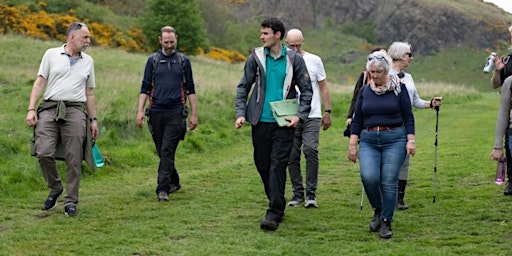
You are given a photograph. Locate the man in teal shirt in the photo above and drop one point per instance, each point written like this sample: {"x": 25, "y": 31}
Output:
{"x": 274, "y": 71}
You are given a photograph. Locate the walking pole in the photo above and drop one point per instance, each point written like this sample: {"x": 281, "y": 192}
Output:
{"x": 435, "y": 154}
{"x": 362, "y": 193}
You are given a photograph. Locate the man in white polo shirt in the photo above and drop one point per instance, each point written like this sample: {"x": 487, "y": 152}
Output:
{"x": 65, "y": 121}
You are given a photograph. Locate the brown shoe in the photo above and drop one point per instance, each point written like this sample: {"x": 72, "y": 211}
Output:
{"x": 162, "y": 196}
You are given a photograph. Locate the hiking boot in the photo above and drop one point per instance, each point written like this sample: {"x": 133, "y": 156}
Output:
{"x": 296, "y": 201}
{"x": 162, "y": 196}
{"x": 385, "y": 229}
{"x": 311, "y": 203}
{"x": 375, "y": 222}
{"x": 51, "y": 201}
{"x": 173, "y": 188}
{"x": 508, "y": 189}
{"x": 70, "y": 210}
{"x": 400, "y": 204}
{"x": 269, "y": 225}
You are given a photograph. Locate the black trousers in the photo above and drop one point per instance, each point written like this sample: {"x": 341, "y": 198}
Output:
{"x": 167, "y": 130}
{"x": 272, "y": 146}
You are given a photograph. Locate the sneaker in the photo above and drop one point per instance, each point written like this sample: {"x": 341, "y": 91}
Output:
{"x": 269, "y": 225}
{"x": 51, "y": 201}
{"x": 375, "y": 222}
{"x": 508, "y": 189}
{"x": 162, "y": 196}
{"x": 296, "y": 201}
{"x": 173, "y": 188}
{"x": 385, "y": 229}
{"x": 70, "y": 210}
{"x": 311, "y": 203}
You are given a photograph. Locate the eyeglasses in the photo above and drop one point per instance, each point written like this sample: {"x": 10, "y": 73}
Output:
{"x": 379, "y": 58}
{"x": 409, "y": 54}
{"x": 295, "y": 45}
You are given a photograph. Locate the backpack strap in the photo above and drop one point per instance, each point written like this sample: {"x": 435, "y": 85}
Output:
{"x": 181, "y": 61}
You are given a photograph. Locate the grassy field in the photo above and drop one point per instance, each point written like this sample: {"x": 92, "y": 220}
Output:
{"x": 220, "y": 205}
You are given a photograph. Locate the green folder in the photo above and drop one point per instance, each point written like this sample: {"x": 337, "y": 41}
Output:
{"x": 284, "y": 109}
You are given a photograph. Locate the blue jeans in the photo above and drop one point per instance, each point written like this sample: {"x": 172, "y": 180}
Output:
{"x": 381, "y": 154}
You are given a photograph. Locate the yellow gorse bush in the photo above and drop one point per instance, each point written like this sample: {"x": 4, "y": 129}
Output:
{"x": 41, "y": 25}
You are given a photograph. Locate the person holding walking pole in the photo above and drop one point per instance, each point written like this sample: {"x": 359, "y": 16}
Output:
{"x": 383, "y": 124}
{"x": 402, "y": 56}
{"x": 502, "y": 71}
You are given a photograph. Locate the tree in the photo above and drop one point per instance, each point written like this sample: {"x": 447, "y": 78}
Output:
{"x": 183, "y": 15}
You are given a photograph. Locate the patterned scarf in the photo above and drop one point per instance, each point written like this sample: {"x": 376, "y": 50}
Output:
{"x": 393, "y": 84}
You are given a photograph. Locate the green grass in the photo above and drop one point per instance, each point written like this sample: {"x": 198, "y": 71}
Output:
{"x": 220, "y": 205}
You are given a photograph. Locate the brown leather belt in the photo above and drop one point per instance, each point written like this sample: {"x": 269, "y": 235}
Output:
{"x": 381, "y": 128}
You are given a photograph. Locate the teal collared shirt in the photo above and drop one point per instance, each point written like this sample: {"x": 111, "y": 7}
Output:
{"x": 275, "y": 75}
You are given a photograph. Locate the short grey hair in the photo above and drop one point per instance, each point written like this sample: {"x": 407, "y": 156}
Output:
{"x": 381, "y": 60}
{"x": 397, "y": 50}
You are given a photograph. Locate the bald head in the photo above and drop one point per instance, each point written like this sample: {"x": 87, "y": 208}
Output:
{"x": 294, "y": 40}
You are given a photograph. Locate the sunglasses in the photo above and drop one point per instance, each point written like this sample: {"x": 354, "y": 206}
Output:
{"x": 379, "y": 58}
{"x": 409, "y": 54}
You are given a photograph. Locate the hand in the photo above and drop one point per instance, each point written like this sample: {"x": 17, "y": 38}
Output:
{"x": 94, "y": 129}
{"x": 140, "y": 118}
{"x": 192, "y": 123}
{"x": 411, "y": 148}
{"x": 31, "y": 118}
{"x": 352, "y": 153}
{"x": 499, "y": 64}
{"x": 497, "y": 154}
{"x": 326, "y": 121}
{"x": 239, "y": 122}
{"x": 349, "y": 121}
{"x": 294, "y": 121}
{"x": 436, "y": 102}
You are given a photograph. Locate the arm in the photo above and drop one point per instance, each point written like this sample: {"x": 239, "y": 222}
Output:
{"x": 140, "y": 109}
{"x": 193, "y": 108}
{"x": 91, "y": 110}
{"x": 145, "y": 90}
{"x": 326, "y": 100}
{"x": 37, "y": 89}
{"x": 301, "y": 77}
{"x": 408, "y": 118}
{"x": 358, "y": 86}
{"x": 502, "y": 121}
{"x": 243, "y": 89}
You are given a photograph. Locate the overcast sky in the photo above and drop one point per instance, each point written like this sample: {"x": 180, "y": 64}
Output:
{"x": 504, "y": 4}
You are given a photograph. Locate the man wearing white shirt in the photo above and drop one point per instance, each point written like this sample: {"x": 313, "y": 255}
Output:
{"x": 307, "y": 133}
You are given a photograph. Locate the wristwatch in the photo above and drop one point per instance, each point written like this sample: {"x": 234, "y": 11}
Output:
{"x": 327, "y": 111}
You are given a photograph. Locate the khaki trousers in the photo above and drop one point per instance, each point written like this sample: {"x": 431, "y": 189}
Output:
{"x": 71, "y": 134}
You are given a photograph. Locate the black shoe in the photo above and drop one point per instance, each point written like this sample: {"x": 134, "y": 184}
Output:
{"x": 296, "y": 201}
{"x": 508, "y": 189}
{"x": 375, "y": 222}
{"x": 70, "y": 210}
{"x": 51, "y": 201}
{"x": 385, "y": 229}
{"x": 162, "y": 196}
{"x": 400, "y": 205}
{"x": 269, "y": 225}
{"x": 173, "y": 188}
